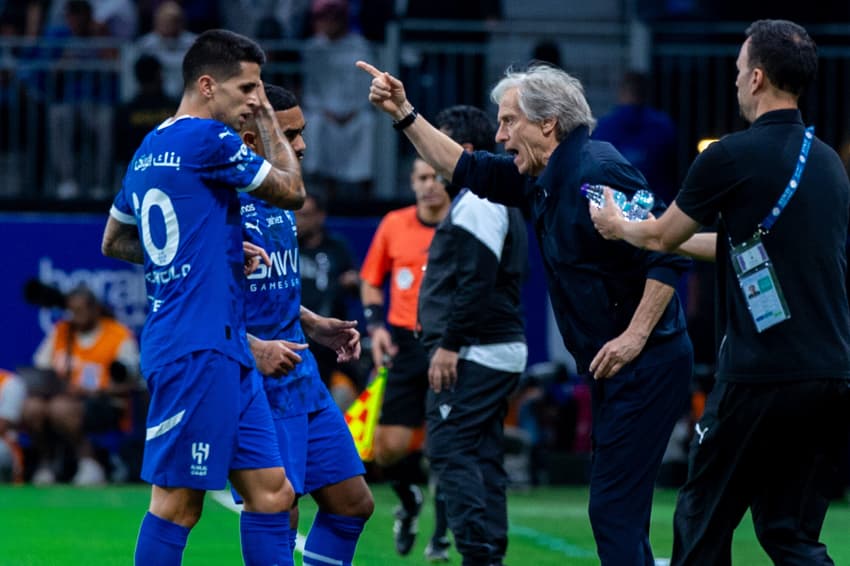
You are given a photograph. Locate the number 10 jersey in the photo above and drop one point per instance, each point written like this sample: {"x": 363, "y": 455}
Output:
{"x": 181, "y": 191}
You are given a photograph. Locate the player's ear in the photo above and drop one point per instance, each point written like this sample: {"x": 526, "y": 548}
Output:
{"x": 250, "y": 139}
{"x": 206, "y": 86}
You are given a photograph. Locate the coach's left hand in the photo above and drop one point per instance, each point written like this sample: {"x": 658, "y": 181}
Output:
{"x": 442, "y": 373}
{"x": 615, "y": 354}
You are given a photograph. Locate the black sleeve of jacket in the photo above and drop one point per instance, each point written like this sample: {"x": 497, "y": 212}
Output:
{"x": 475, "y": 225}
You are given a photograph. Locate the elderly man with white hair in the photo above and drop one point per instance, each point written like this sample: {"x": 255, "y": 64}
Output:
{"x": 616, "y": 306}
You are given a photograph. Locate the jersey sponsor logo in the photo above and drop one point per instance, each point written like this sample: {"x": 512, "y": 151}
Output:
{"x": 200, "y": 454}
{"x": 224, "y": 134}
{"x": 273, "y": 220}
{"x": 404, "y": 279}
{"x": 253, "y": 226}
{"x": 143, "y": 162}
{"x": 241, "y": 153}
{"x": 165, "y": 159}
{"x": 163, "y": 276}
{"x": 284, "y": 262}
{"x": 247, "y": 208}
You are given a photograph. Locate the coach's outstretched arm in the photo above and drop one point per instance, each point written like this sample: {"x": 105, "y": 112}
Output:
{"x": 435, "y": 147}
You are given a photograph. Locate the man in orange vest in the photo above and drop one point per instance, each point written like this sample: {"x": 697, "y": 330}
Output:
{"x": 96, "y": 358}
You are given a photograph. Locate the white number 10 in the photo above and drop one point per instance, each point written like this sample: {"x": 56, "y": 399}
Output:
{"x": 154, "y": 197}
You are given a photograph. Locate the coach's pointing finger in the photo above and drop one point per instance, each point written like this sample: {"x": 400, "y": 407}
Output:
{"x": 387, "y": 92}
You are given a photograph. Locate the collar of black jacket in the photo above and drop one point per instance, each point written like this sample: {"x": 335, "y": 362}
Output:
{"x": 564, "y": 166}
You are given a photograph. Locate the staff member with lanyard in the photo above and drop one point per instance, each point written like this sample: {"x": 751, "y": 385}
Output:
{"x": 775, "y": 423}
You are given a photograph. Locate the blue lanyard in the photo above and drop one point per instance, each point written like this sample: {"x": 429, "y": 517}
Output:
{"x": 771, "y": 218}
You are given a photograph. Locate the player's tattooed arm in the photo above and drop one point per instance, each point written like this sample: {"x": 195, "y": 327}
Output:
{"x": 283, "y": 186}
{"x": 121, "y": 241}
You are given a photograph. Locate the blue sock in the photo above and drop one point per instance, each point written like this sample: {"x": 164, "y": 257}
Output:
{"x": 265, "y": 539}
{"x": 160, "y": 542}
{"x": 332, "y": 540}
{"x": 293, "y": 539}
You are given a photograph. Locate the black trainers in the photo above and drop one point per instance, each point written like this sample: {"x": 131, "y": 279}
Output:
{"x": 438, "y": 549}
{"x": 406, "y": 522}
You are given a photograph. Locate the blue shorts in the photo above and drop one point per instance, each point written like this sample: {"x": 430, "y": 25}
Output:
{"x": 208, "y": 415}
{"x": 317, "y": 450}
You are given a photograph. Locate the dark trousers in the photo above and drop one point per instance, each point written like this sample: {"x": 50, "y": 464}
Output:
{"x": 633, "y": 416}
{"x": 774, "y": 448}
{"x": 465, "y": 434}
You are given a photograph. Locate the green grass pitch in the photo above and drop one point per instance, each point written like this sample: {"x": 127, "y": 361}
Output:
{"x": 61, "y": 526}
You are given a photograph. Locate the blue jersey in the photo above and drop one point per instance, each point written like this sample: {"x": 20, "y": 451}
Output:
{"x": 180, "y": 190}
{"x": 273, "y": 306}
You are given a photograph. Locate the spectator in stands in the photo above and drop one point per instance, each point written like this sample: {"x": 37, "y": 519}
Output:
{"x": 96, "y": 359}
{"x": 643, "y": 135}
{"x": 168, "y": 42}
{"x": 150, "y": 107}
{"x": 79, "y": 98}
{"x": 200, "y": 15}
{"x": 340, "y": 121}
{"x": 328, "y": 279}
{"x": 12, "y": 394}
{"x": 267, "y": 19}
{"x": 116, "y": 18}
{"x": 21, "y": 18}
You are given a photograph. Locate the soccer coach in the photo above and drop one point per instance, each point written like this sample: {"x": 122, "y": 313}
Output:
{"x": 615, "y": 305}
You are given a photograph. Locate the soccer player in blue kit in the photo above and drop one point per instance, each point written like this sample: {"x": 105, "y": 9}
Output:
{"x": 316, "y": 446}
{"x": 178, "y": 214}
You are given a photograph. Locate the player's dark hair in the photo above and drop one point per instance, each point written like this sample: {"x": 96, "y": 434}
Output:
{"x": 467, "y": 124}
{"x": 280, "y": 98}
{"x": 786, "y": 53}
{"x": 219, "y": 53}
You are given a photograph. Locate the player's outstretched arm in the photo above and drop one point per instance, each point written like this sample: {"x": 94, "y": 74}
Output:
{"x": 341, "y": 336}
{"x": 121, "y": 241}
{"x": 435, "y": 147}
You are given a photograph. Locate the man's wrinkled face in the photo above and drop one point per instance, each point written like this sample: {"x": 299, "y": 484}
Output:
{"x": 521, "y": 138}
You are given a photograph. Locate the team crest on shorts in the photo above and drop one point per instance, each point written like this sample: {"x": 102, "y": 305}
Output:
{"x": 200, "y": 453}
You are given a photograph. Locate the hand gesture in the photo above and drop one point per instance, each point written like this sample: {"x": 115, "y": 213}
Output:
{"x": 383, "y": 349}
{"x": 276, "y": 358}
{"x": 386, "y": 92}
{"x": 254, "y": 254}
{"x": 615, "y": 354}
{"x": 442, "y": 373}
{"x": 341, "y": 336}
{"x": 263, "y": 100}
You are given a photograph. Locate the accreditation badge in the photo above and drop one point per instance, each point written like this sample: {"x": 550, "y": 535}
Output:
{"x": 758, "y": 282}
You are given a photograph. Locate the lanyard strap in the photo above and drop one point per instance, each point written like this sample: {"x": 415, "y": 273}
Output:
{"x": 791, "y": 188}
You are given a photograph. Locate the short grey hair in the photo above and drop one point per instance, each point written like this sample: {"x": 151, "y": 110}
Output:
{"x": 548, "y": 92}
